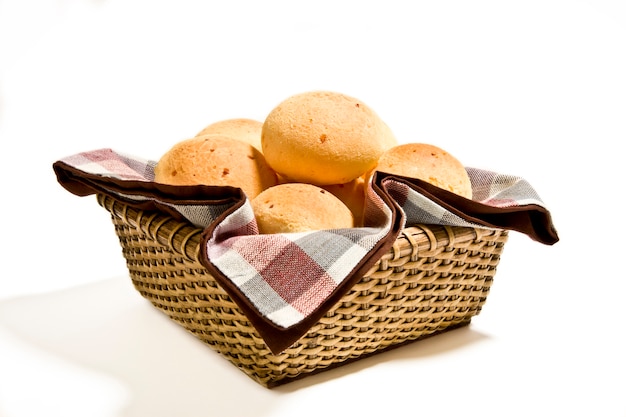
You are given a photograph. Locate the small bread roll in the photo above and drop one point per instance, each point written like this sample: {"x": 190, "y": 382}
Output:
{"x": 428, "y": 163}
{"x": 352, "y": 194}
{"x": 216, "y": 160}
{"x": 323, "y": 138}
{"x": 247, "y": 130}
{"x": 298, "y": 207}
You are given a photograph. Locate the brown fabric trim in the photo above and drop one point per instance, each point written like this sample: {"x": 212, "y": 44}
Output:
{"x": 532, "y": 220}
{"x": 535, "y": 221}
{"x": 278, "y": 338}
{"x": 82, "y": 184}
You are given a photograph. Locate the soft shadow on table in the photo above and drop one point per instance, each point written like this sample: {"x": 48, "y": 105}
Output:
{"x": 420, "y": 349}
{"x": 109, "y": 328}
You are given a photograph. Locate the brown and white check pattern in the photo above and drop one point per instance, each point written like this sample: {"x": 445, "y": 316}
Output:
{"x": 284, "y": 279}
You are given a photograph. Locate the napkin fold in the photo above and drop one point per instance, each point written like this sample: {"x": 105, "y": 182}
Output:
{"x": 285, "y": 283}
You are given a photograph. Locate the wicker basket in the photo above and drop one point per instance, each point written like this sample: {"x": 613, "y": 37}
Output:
{"x": 434, "y": 279}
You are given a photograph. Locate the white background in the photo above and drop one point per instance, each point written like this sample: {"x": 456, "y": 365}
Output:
{"x": 532, "y": 88}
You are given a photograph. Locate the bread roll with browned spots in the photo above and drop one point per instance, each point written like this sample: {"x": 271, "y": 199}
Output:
{"x": 428, "y": 163}
{"x": 216, "y": 160}
{"x": 299, "y": 207}
{"x": 323, "y": 138}
{"x": 246, "y": 130}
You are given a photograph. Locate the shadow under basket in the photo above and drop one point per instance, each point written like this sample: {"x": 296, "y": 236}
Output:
{"x": 435, "y": 278}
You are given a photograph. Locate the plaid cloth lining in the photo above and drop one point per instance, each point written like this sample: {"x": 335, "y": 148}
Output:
{"x": 288, "y": 276}
{"x": 489, "y": 188}
{"x": 285, "y": 282}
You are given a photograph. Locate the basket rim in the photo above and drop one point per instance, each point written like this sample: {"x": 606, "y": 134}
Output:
{"x": 185, "y": 239}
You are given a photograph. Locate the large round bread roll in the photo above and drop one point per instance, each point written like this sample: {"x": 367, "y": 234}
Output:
{"x": 216, "y": 160}
{"x": 323, "y": 138}
{"x": 299, "y": 207}
{"x": 428, "y": 163}
{"x": 246, "y": 130}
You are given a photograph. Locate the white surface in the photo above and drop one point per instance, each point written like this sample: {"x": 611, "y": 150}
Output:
{"x": 533, "y": 88}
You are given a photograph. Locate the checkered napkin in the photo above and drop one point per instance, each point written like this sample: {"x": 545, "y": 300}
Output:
{"x": 285, "y": 282}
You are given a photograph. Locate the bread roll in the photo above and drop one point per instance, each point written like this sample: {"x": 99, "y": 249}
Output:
{"x": 388, "y": 138}
{"x": 323, "y": 138}
{"x": 216, "y": 160}
{"x": 352, "y": 194}
{"x": 298, "y": 207}
{"x": 247, "y": 130}
{"x": 428, "y": 163}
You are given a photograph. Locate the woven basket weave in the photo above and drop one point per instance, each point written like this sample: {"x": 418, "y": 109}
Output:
{"x": 434, "y": 278}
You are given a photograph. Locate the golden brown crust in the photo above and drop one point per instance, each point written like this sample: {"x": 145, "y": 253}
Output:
{"x": 298, "y": 207}
{"x": 428, "y": 163}
{"x": 216, "y": 160}
{"x": 246, "y": 130}
{"x": 389, "y": 138}
{"x": 323, "y": 138}
{"x": 352, "y": 194}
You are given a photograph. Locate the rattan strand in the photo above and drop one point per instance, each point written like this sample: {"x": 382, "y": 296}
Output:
{"x": 434, "y": 278}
